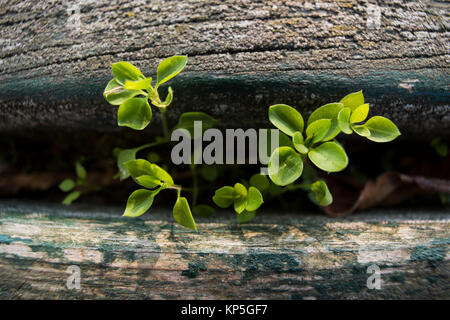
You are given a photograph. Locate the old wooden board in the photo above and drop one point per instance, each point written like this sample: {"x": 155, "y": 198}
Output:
{"x": 279, "y": 256}
{"x": 55, "y": 58}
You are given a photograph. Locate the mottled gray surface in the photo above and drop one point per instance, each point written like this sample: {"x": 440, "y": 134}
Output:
{"x": 244, "y": 56}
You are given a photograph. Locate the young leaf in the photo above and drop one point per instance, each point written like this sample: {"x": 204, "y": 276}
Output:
{"x": 328, "y": 111}
{"x": 320, "y": 194}
{"x": 360, "y": 113}
{"x": 361, "y": 130}
{"x": 134, "y": 113}
{"x": 80, "y": 170}
{"x": 169, "y": 68}
{"x": 353, "y": 100}
{"x": 209, "y": 173}
{"x": 285, "y": 166}
{"x": 139, "y": 202}
{"x": 381, "y": 129}
{"x": 169, "y": 97}
{"x": 224, "y": 197}
{"x": 254, "y": 199}
{"x": 245, "y": 216}
{"x": 329, "y": 157}
{"x": 138, "y": 85}
{"x": 67, "y": 185}
{"x": 124, "y": 71}
{"x": 115, "y": 94}
{"x": 148, "y": 181}
{"x": 203, "y": 210}
{"x": 123, "y": 157}
{"x": 344, "y": 120}
{"x": 183, "y": 215}
{"x": 286, "y": 119}
{"x": 141, "y": 167}
{"x": 187, "y": 120}
{"x": 71, "y": 197}
{"x": 240, "y": 198}
{"x": 318, "y": 129}
{"x": 260, "y": 182}
{"x": 299, "y": 143}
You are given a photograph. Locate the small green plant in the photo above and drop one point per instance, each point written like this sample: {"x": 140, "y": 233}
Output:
{"x": 78, "y": 187}
{"x": 313, "y": 145}
{"x": 300, "y": 147}
{"x": 134, "y": 93}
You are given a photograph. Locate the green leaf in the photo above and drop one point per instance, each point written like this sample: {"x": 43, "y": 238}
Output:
{"x": 328, "y": 111}
{"x": 318, "y": 129}
{"x": 439, "y": 146}
{"x": 138, "y": 85}
{"x": 115, "y": 94}
{"x": 169, "y": 68}
{"x": 344, "y": 120}
{"x": 203, "y": 210}
{"x": 209, "y": 173}
{"x": 299, "y": 143}
{"x": 285, "y": 166}
{"x": 329, "y": 157}
{"x": 361, "y": 130}
{"x": 224, "y": 197}
{"x": 148, "y": 181}
{"x": 67, "y": 185}
{"x": 381, "y": 129}
{"x": 139, "y": 202}
{"x": 80, "y": 170}
{"x": 183, "y": 215}
{"x": 286, "y": 119}
{"x": 360, "y": 113}
{"x": 254, "y": 199}
{"x": 245, "y": 216}
{"x": 124, "y": 71}
{"x": 169, "y": 97}
{"x": 134, "y": 113}
{"x": 141, "y": 167}
{"x": 283, "y": 141}
{"x": 353, "y": 100}
{"x": 123, "y": 157}
{"x": 71, "y": 197}
{"x": 260, "y": 182}
{"x": 320, "y": 194}
{"x": 240, "y": 197}
{"x": 187, "y": 120}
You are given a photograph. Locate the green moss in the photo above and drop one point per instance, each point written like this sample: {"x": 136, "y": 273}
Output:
{"x": 53, "y": 251}
{"x": 194, "y": 269}
{"x": 432, "y": 255}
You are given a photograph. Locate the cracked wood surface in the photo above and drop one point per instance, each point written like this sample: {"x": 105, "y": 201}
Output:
{"x": 278, "y": 256}
{"x": 55, "y": 58}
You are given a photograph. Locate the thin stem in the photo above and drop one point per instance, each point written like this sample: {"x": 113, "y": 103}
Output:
{"x": 152, "y": 144}
{"x": 194, "y": 185}
{"x": 164, "y": 122}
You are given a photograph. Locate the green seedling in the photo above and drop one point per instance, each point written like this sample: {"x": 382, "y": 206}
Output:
{"x": 78, "y": 187}
{"x": 313, "y": 144}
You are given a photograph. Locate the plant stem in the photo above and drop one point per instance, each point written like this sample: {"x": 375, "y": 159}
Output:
{"x": 164, "y": 122}
{"x": 194, "y": 185}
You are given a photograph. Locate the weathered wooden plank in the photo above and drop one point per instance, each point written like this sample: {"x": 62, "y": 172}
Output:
{"x": 285, "y": 256}
{"x": 245, "y": 55}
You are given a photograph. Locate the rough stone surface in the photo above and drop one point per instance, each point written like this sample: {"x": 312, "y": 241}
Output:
{"x": 278, "y": 256}
{"x": 55, "y": 58}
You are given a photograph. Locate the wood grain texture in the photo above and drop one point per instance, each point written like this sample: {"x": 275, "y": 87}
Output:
{"x": 55, "y": 58}
{"x": 276, "y": 257}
